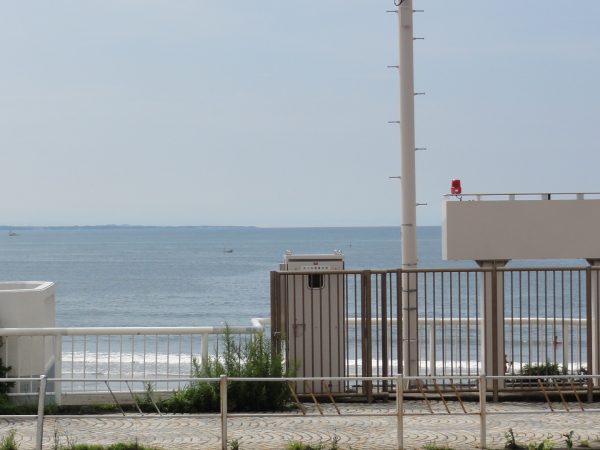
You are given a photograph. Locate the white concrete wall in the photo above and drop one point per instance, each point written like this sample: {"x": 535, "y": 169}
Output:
{"x": 27, "y": 304}
{"x": 521, "y": 229}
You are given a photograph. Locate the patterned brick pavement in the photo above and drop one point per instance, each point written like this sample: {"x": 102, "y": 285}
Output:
{"x": 456, "y": 430}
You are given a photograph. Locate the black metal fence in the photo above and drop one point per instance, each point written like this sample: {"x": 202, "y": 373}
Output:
{"x": 451, "y": 323}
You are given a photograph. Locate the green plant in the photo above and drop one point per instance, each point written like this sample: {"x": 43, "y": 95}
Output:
{"x": 569, "y": 439}
{"x": 234, "y": 444}
{"x": 253, "y": 358}
{"x": 510, "y": 440}
{"x": 146, "y": 402}
{"x": 297, "y": 445}
{"x": 5, "y": 387}
{"x": 546, "y": 444}
{"x": 8, "y": 442}
{"x": 434, "y": 446}
{"x": 118, "y": 446}
{"x": 546, "y": 368}
{"x": 334, "y": 443}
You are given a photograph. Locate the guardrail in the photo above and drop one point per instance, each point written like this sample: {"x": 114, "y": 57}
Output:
{"x": 528, "y": 195}
{"x": 95, "y": 353}
{"x": 544, "y": 318}
{"x": 401, "y": 381}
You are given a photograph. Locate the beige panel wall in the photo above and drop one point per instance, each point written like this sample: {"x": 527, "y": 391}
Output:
{"x": 521, "y": 229}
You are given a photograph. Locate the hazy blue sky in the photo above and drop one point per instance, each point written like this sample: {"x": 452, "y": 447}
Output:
{"x": 274, "y": 113}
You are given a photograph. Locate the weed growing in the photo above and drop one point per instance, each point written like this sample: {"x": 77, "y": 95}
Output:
{"x": 569, "y": 439}
{"x": 434, "y": 446}
{"x": 118, "y": 446}
{"x": 253, "y": 358}
{"x": 510, "y": 440}
{"x": 9, "y": 442}
{"x": 546, "y": 444}
{"x": 547, "y": 368}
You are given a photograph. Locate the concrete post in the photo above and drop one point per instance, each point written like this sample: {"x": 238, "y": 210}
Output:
{"x": 408, "y": 187}
{"x": 592, "y": 321}
{"x": 492, "y": 336}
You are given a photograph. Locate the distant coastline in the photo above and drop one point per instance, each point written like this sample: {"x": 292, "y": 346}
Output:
{"x": 113, "y": 226}
{"x": 216, "y": 227}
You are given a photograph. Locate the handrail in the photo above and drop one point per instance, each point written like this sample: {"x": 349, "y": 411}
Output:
{"x": 520, "y": 194}
{"x": 382, "y": 271}
{"x": 400, "y": 413}
{"x": 258, "y": 324}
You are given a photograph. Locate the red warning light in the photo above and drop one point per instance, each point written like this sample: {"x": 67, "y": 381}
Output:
{"x": 455, "y": 188}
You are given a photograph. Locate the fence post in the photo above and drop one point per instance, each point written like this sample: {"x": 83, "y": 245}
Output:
{"x": 204, "y": 344}
{"x": 400, "y": 410}
{"x": 384, "y": 331}
{"x": 57, "y": 369}
{"x": 367, "y": 362}
{"x": 482, "y": 411}
{"x": 492, "y": 301}
{"x": 277, "y": 319}
{"x": 591, "y": 326}
{"x": 39, "y": 437}
{"x": 223, "y": 392}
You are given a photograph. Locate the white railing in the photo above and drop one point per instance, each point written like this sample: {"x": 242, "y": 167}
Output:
{"x": 92, "y": 354}
{"x": 528, "y": 195}
{"x": 401, "y": 381}
{"x": 165, "y": 355}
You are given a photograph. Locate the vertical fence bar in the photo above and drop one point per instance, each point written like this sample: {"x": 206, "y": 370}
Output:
{"x": 384, "y": 331}
{"x": 58, "y": 368}
{"x": 497, "y": 344}
{"x": 482, "y": 411}
{"x": 588, "y": 327}
{"x": 223, "y": 392}
{"x": 367, "y": 369}
{"x": 399, "y": 324}
{"x": 400, "y": 411}
{"x": 39, "y": 436}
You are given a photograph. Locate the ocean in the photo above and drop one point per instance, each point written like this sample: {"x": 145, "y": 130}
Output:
{"x": 170, "y": 276}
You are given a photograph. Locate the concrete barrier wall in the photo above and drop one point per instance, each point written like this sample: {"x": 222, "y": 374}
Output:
{"x": 27, "y": 304}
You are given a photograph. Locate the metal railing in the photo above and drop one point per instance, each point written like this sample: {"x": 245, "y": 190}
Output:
{"x": 542, "y": 317}
{"x": 539, "y": 318}
{"x": 400, "y": 413}
{"x": 99, "y": 353}
{"x": 527, "y": 196}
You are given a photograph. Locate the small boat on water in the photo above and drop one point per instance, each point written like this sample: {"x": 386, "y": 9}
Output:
{"x": 12, "y": 233}
{"x": 227, "y": 250}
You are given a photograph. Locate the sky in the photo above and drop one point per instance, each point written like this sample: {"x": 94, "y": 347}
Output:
{"x": 273, "y": 113}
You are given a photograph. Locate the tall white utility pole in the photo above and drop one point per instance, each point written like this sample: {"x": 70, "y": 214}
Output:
{"x": 408, "y": 187}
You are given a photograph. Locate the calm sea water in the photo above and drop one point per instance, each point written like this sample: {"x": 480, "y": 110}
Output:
{"x": 181, "y": 276}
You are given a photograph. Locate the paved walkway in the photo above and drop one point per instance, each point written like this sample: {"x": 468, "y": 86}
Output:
{"x": 456, "y": 430}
